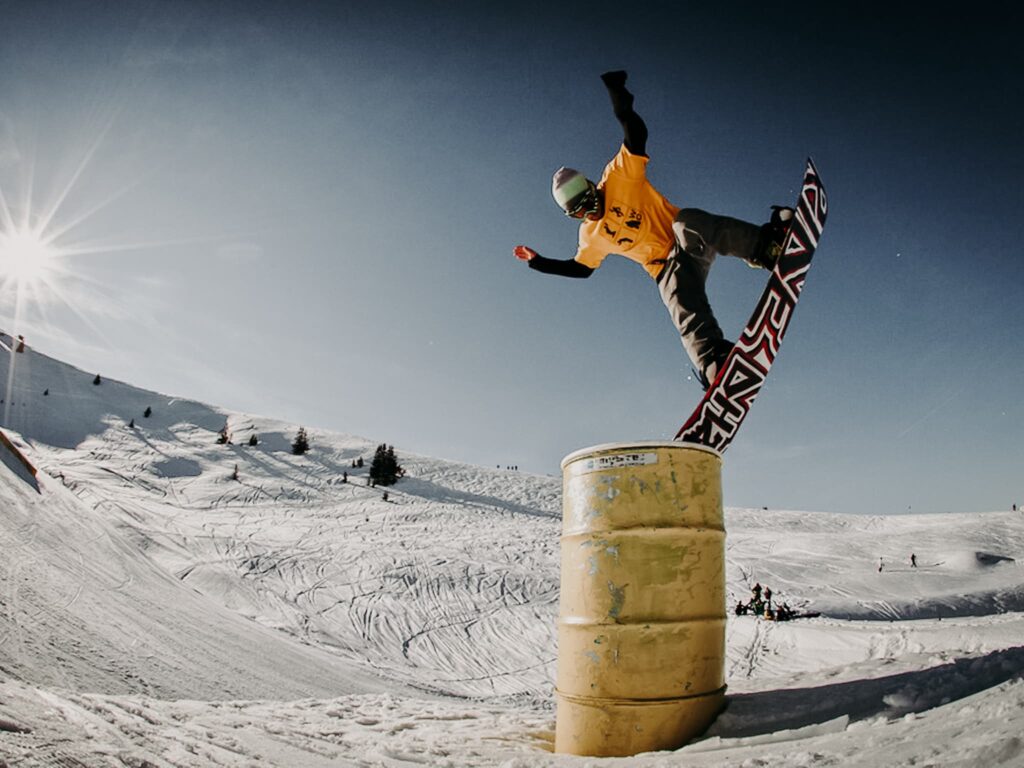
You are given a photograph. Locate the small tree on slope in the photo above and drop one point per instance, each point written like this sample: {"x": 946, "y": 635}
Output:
{"x": 301, "y": 443}
{"x": 384, "y": 469}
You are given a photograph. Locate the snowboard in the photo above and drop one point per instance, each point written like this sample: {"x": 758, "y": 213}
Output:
{"x": 720, "y": 413}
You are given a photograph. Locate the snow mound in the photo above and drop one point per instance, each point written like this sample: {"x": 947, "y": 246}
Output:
{"x": 969, "y": 560}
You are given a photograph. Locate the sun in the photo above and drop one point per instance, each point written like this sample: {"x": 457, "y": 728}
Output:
{"x": 25, "y": 256}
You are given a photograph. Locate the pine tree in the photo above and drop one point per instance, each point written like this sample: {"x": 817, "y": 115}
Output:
{"x": 395, "y": 470}
{"x": 384, "y": 469}
{"x": 148, "y": 412}
{"x": 224, "y": 438}
{"x": 377, "y": 464}
{"x": 301, "y": 444}
{"x": 253, "y": 439}
{"x": 97, "y": 381}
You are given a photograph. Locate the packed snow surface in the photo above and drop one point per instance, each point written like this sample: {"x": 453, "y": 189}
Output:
{"x": 166, "y": 600}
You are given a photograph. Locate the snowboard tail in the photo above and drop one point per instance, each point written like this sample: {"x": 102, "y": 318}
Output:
{"x": 725, "y": 405}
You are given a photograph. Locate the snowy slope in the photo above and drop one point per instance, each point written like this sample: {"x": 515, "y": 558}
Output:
{"x": 85, "y": 611}
{"x": 153, "y": 608}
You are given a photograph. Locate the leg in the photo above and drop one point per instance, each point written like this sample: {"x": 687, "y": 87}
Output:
{"x": 706, "y": 235}
{"x": 681, "y": 284}
{"x": 700, "y": 237}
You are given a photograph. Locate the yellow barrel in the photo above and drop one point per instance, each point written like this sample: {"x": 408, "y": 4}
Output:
{"x": 641, "y": 629}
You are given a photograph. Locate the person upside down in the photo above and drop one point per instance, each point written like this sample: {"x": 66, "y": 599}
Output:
{"x": 624, "y": 214}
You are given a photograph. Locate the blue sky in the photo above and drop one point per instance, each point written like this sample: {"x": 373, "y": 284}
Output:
{"x": 309, "y": 213}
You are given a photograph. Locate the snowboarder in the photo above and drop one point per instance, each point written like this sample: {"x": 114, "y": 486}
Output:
{"x": 624, "y": 214}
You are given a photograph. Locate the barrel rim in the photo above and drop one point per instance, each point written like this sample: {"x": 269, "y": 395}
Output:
{"x": 633, "y": 444}
{"x": 603, "y": 701}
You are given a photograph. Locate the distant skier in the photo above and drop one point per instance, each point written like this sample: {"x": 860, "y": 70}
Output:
{"x": 913, "y": 560}
{"x": 624, "y": 214}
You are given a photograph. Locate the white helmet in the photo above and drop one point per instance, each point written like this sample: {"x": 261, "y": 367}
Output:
{"x": 574, "y": 193}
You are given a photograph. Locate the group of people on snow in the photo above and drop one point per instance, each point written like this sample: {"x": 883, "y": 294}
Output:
{"x": 760, "y": 605}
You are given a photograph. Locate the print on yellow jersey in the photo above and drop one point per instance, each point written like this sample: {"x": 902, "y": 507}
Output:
{"x": 623, "y": 225}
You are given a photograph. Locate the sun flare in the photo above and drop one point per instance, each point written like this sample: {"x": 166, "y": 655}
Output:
{"x": 25, "y": 256}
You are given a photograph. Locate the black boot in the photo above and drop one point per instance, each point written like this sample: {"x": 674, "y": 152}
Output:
{"x": 707, "y": 376}
{"x": 773, "y": 237}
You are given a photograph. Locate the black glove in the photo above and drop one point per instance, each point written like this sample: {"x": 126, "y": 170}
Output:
{"x": 616, "y": 79}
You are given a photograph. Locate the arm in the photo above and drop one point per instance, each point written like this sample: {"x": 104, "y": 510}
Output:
{"x": 563, "y": 267}
{"x": 634, "y": 129}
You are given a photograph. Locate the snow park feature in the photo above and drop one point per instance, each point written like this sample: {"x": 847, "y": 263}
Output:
{"x": 14, "y": 449}
{"x": 641, "y": 629}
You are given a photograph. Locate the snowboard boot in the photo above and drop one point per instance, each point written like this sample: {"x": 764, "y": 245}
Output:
{"x": 772, "y": 237}
{"x": 710, "y": 373}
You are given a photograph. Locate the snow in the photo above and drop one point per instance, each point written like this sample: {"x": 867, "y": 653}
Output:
{"x": 154, "y": 611}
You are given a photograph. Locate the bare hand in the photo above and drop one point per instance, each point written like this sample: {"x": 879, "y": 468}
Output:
{"x": 524, "y": 253}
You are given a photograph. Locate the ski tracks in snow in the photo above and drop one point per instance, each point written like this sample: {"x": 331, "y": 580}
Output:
{"x": 749, "y": 643}
{"x": 331, "y": 563}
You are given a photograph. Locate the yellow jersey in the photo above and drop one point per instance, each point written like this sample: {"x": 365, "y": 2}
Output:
{"x": 637, "y": 220}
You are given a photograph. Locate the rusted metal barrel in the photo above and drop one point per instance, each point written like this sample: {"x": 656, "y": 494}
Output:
{"x": 641, "y": 629}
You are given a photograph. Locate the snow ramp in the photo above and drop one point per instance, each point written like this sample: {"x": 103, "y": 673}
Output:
{"x": 13, "y": 451}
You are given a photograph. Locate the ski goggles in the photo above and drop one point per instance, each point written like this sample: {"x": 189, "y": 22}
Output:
{"x": 584, "y": 204}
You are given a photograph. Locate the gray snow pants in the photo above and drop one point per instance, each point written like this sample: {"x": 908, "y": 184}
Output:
{"x": 700, "y": 237}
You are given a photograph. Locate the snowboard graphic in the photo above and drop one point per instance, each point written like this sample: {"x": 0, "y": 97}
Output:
{"x": 719, "y": 415}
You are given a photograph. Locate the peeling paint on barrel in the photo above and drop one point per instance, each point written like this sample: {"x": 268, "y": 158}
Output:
{"x": 618, "y": 595}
